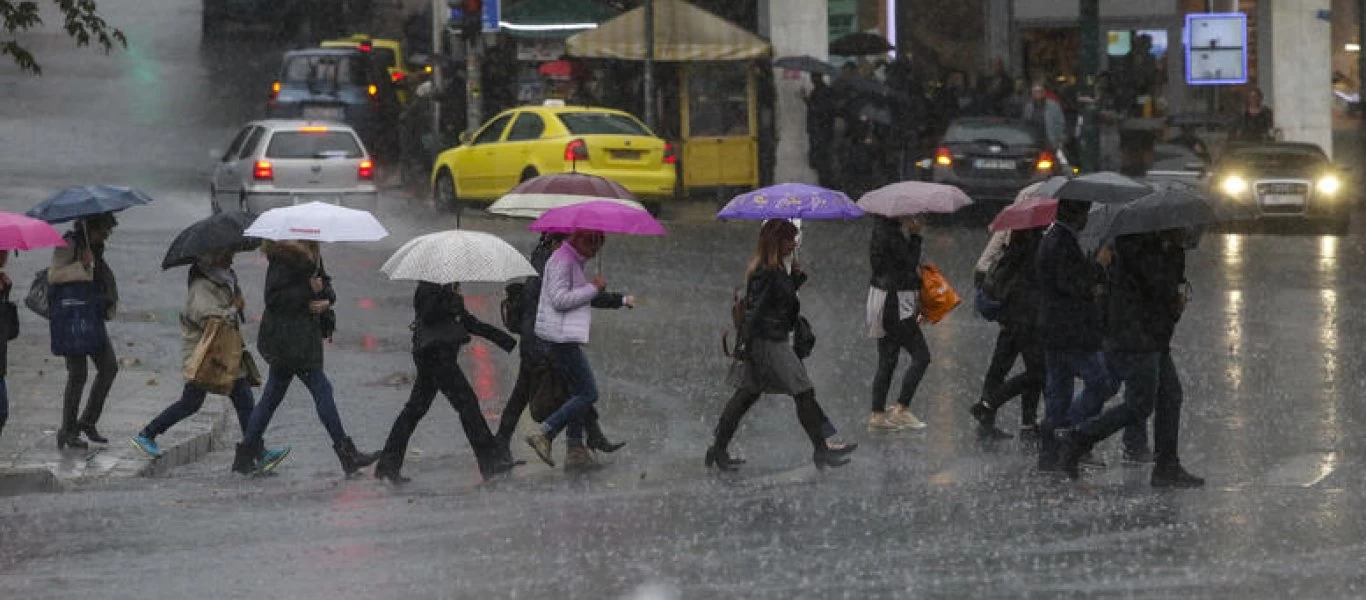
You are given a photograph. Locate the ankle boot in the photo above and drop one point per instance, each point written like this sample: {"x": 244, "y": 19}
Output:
{"x": 93, "y": 434}
{"x": 719, "y": 458}
{"x": 244, "y": 461}
{"x": 70, "y": 438}
{"x": 352, "y": 460}
{"x": 390, "y": 468}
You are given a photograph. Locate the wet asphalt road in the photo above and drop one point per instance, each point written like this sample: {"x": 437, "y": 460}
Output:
{"x": 1267, "y": 353}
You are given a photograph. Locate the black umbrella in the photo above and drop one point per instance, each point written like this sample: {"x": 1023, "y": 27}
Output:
{"x": 860, "y": 44}
{"x": 1104, "y": 187}
{"x": 1170, "y": 205}
{"x": 807, "y": 64}
{"x": 219, "y": 233}
{"x": 87, "y": 201}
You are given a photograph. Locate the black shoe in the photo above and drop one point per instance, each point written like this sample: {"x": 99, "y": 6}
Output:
{"x": 499, "y": 466}
{"x": 387, "y": 469}
{"x": 351, "y": 459}
{"x": 244, "y": 461}
{"x": 841, "y": 449}
{"x": 602, "y": 445}
{"x": 983, "y": 413}
{"x": 828, "y": 458}
{"x": 718, "y": 458}
{"x": 1138, "y": 457}
{"x": 1070, "y": 452}
{"x": 65, "y": 438}
{"x": 93, "y": 435}
{"x": 1174, "y": 476}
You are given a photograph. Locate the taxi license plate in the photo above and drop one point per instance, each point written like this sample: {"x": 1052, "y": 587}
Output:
{"x": 625, "y": 154}
{"x": 993, "y": 164}
{"x": 322, "y": 112}
{"x": 1283, "y": 199}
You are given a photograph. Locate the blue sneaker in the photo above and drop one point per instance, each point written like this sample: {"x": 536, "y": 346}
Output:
{"x": 146, "y": 444}
{"x": 271, "y": 459}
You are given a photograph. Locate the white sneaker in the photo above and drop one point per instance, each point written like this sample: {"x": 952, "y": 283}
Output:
{"x": 902, "y": 416}
{"x": 879, "y": 421}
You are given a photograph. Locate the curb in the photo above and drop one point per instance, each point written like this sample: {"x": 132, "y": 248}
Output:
{"x": 14, "y": 482}
{"x": 188, "y": 450}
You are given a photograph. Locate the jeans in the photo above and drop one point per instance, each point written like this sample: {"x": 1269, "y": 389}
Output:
{"x": 4, "y": 404}
{"x": 1023, "y": 341}
{"x": 106, "y": 367}
{"x": 1063, "y": 367}
{"x": 277, "y": 383}
{"x": 1151, "y": 387}
{"x": 901, "y": 335}
{"x": 439, "y": 371}
{"x": 192, "y": 399}
{"x": 517, "y": 403}
{"x": 572, "y": 364}
{"x": 1135, "y": 434}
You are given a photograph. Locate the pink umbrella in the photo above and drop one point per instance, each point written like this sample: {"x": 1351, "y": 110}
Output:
{"x": 18, "y": 232}
{"x": 913, "y": 198}
{"x": 599, "y": 215}
{"x": 1028, "y": 213}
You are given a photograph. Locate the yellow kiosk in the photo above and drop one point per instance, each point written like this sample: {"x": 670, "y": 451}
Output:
{"x": 719, "y": 122}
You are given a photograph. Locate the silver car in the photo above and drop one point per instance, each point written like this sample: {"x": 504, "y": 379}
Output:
{"x": 279, "y": 162}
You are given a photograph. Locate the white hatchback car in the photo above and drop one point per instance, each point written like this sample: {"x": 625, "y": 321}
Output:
{"x": 278, "y": 162}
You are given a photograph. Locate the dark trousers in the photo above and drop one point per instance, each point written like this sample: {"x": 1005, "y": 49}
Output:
{"x": 192, "y": 399}
{"x": 1135, "y": 434}
{"x": 439, "y": 371}
{"x": 901, "y": 335}
{"x": 1151, "y": 387}
{"x": 521, "y": 396}
{"x": 572, "y": 364}
{"x": 1023, "y": 341}
{"x": 4, "y": 404}
{"x": 809, "y": 413}
{"x": 277, "y": 383}
{"x": 1063, "y": 368}
{"x": 77, "y": 370}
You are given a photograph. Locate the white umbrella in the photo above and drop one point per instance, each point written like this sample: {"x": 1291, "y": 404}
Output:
{"x": 457, "y": 255}
{"x": 913, "y": 198}
{"x": 319, "y": 222}
{"x": 532, "y": 206}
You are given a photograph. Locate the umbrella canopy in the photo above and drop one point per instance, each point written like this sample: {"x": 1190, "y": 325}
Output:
{"x": 458, "y": 255}
{"x": 1028, "y": 213}
{"x": 532, "y": 206}
{"x": 791, "y": 201}
{"x": 1169, "y": 206}
{"x": 560, "y": 69}
{"x": 573, "y": 184}
{"x": 860, "y": 44}
{"x": 1102, "y": 188}
{"x": 18, "y": 232}
{"x": 88, "y": 200}
{"x": 913, "y": 198}
{"x": 808, "y": 64}
{"x": 219, "y": 233}
{"x": 318, "y": 222}
{"x": 598, "y": 215}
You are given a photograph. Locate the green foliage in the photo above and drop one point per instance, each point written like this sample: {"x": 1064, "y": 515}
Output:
{"x": 80, "y": 19}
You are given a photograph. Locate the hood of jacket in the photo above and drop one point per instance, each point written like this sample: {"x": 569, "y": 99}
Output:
{"x": 296, "y": 252}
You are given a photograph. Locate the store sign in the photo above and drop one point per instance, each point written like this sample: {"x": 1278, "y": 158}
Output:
{"x": 1216, "y": 49}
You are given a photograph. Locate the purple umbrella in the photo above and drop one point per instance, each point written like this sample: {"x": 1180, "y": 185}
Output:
{"x": 599, "y": 215}
{"x": 791, "y": 201}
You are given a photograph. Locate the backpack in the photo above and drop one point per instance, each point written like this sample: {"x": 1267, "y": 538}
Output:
{"x": 737, "y": 321}
{"x": 36, "y": 300}
{"x": 512, "y": 307}
{"x": 1003, "y": 276}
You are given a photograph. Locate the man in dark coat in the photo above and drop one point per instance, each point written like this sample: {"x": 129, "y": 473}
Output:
{"x": 1015, "y": 281}
{"x": 822, "y": 105}
{"x": 1147, "y": 296}
{"x": 1069, "y": 323}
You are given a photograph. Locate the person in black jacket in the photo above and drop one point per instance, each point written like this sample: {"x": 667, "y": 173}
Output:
{"x": 1146, "y": 298}
{"x": 533, "y": 355}
{"x": 442, "y": 326}
{"x": 1014, "y": 279}
{"x": 766, "y": 361}
{"x": 297, "y": 318}
{"x": 1069, "y": 323}
{"x": 893, "y": 318}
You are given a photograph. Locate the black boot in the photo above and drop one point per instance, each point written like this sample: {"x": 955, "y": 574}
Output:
{"x": 353, "y": 460}
{"x": 1071, "y": 449}
{"x": 93, "y": 434}
{"x": 716, "y": 457}
{"x": 496, "y": 465}
{"x": 244, "y": 461}
{"x": 389, "y": 468}
{"x": 1165, "y": 476}
{"x": 986, "y": 422}
{"x": 70, "y": 438}
{"x": 825, "y": 457}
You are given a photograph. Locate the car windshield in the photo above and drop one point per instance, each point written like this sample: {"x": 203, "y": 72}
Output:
{"x": 596, "y": 123}
{"x": 1263, "y": 160}
{"x": 341, "y": 70}
{"x": 308, "y": 144}
{"x": 1002, "y": 132}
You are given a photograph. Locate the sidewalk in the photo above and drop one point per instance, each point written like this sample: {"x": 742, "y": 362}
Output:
{"x": 29, "y": 458}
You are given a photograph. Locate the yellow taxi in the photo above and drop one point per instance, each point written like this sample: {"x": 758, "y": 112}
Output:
{"x": 528, "y": 141}
{"x": 388, "y": 53}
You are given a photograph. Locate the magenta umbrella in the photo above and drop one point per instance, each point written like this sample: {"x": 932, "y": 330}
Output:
{"x": 18, "y": 232}
{"x": 599, "y": 215}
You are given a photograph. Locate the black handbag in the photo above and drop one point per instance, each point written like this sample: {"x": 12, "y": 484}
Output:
{"x": 446, "y": 333}
{"x": 803, "y": 338}
{"x": 9, "y": 317}
{"x": 36, "y": 300}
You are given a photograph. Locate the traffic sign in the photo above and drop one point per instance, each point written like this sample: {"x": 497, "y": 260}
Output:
{"x": 1216, "y": 48}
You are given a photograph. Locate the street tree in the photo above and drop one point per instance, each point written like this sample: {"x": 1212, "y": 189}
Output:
{"x": 80, "y": 19}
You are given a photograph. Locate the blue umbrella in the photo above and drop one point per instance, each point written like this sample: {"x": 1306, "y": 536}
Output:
{"x": 791, "y": 201}
{"x": 84, "y": 201}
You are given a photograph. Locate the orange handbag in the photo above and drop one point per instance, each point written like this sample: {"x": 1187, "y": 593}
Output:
{"x": 937, "y": 297}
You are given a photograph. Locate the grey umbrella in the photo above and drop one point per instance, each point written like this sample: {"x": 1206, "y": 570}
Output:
{"x": 1170, "y": 205}
{"x": 808, "y": 64}
{"x": 1104, "y": 187}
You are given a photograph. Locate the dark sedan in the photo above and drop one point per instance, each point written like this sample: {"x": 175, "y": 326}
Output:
{"x": 1282, "y": 181}
{"x": 991, "y": 159}
{"x": 338, "y": 84}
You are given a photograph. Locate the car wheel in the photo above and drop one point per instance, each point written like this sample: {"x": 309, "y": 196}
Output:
{"x": 213, "y": 201}
{"x": 529, "y": 173}
{"x": 444, "y": 193}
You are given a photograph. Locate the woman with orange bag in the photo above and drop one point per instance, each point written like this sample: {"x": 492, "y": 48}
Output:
{"x": 894, "y": 316}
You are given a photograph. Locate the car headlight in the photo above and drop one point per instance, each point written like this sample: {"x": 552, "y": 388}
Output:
{"x": 1233, "y": 185}
{"x": 1328, "y": 185}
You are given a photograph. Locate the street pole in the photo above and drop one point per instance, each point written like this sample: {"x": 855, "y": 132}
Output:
{"x": 438, "y": 25}
{"x": 474, "y": 77}
{"x": 1361, "y": 69}
{"x": 1090, "y": 67}
{"x": 650, "y": 64}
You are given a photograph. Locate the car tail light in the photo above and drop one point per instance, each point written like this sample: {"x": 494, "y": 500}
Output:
{"x": 396, "y": 76}
{"x": 1046, "y": 161}
{"x": 943, "y": 157}
{"x": 670, "y": 156}
{"x": 274, "y": 90}
{"x": 263, "y": 171}
{"x": 366, "y": 46}
{"x": 576, "y": 150}
{"x": 373, "y": 89}
{"x": 366, "y": 170}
